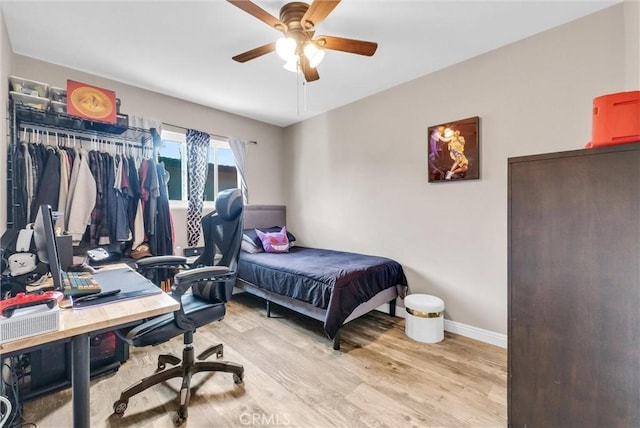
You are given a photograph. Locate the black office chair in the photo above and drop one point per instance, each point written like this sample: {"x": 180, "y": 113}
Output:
{"x": 212, "y": 284}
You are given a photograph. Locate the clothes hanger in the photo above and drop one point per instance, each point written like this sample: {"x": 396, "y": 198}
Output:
{"x": 139, "y": 154}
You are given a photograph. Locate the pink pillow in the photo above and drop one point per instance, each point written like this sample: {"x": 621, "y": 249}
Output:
{"x": 274, "y": 242}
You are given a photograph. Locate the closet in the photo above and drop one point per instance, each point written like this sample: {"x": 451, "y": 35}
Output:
{"x": 93, "y": 172}
{"x": 39, "y": 132}
{"x": 574, "y": 288}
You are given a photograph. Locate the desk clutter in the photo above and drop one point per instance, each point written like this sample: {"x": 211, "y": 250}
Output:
{"x": 48, "y": 363}
{"x": 29, "y": 321}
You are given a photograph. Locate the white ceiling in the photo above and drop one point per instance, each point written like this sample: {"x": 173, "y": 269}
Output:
{"x": 184, "y": 48}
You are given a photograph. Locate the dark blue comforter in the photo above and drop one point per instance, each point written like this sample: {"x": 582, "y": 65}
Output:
{"x": 333, "y": 280}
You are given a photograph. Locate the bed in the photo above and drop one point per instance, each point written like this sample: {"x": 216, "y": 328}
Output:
{"x": 334, "y": 287}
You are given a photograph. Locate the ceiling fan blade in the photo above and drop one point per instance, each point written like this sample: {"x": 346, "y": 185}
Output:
{"x": 359, "y": 47}
{"x": 317, "y": 12}
{"x": 255, "y": 53}
{"x": 310, "y": 73}
{"x": 264, "y": 16}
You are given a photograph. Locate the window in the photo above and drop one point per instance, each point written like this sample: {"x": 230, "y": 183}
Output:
{"x": 221, "y": 173}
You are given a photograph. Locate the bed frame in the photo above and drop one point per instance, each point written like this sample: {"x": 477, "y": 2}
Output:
{"x": 256, "y": 216}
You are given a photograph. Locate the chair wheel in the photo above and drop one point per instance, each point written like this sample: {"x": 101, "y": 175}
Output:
{"x": 181, "y": 417}
{"x": 161, "y": 366}
{"x": 237, "y": 379}
{"x": 119, "y": 407}
{"x": 219, "y": 354}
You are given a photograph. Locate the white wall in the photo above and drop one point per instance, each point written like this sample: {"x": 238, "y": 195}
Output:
{"x": 358, "y": 174}
{"x": 632, "y": 44}
{"x": 265, "y": 166}
{"x": 5, "y": 66}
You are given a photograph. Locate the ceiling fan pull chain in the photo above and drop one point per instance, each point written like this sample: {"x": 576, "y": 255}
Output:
{"x": 304, "y": 96}
{"x": 298, "y": 93}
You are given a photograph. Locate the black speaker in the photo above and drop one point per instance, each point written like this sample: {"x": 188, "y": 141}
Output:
{"x": 65, "y": 251}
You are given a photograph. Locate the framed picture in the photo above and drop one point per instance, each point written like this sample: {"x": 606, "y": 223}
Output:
{"x": 453, "y": 150}
{"x": 91, "y": 102}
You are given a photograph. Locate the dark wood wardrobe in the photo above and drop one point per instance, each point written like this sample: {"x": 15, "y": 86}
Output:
{"x": 574, "y": 288}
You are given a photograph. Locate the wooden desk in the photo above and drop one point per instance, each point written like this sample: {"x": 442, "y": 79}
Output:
{"x": 78, "y": 324}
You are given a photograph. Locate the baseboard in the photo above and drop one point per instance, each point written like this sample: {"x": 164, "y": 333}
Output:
{"x": 486, "y": 336}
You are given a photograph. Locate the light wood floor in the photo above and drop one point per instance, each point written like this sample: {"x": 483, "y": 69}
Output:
{"x": 294, "y": 378}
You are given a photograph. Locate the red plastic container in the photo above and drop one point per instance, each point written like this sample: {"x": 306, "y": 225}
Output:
{"x": 616, "y": 119}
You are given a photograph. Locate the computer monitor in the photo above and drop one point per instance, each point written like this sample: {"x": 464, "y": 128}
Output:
{"x": 132, "y": 283}
{"x": 46, "y": 245}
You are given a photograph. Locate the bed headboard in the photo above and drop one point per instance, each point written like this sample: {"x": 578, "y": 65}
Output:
{"x": 264, "y": 216}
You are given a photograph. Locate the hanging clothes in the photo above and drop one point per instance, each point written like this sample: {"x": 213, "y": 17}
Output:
{"x": 95, "y": 167}
{"x": 28, "y": 167}
{"x": 143, "y": 172}
{"x": 121, "y": 226}
{"x": 133, "y": 195}
{"x": 101, "y": 194}
{"x": 82, "y": 196}
{"x": 48, "y": 183}
{"x": 151, "y": 192}
{"x": 64, "y": 186}
{"x": 162, "y": 241}
{"x": 110, "y": 191}
{"x": 36, "y": 152}
{"x": 103, "y": 228}
{"x": 20, "y": 184}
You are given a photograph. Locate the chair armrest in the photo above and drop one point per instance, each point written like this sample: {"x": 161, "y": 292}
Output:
{"x": 182, "y": 281}
{"x": 161, "y": 261}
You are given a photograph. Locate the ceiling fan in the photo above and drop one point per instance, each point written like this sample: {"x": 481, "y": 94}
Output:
{"x": 298, "y": 46}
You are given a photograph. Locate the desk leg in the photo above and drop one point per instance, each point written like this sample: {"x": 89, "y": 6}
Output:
{"x": 80, "y": 380}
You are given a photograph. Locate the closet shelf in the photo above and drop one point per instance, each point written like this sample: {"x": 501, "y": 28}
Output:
{"x": 63, "y": 122}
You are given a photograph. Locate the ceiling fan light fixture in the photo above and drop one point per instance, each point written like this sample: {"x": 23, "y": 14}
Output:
{"x": 313, "y": 54}
{"x": 286, "y": 48}
{"x": 292, "y": 64}
{"x": 297, "y": 46}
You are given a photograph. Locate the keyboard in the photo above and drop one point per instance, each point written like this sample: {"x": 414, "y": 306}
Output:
{"x": 79, "y": 284}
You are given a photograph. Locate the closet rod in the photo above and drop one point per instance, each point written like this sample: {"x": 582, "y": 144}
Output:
{"x": 210, "y": 133}
{"x": 84, "y": 136}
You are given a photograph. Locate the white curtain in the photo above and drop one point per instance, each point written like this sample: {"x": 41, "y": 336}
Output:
{"x": 239, "y": 149}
